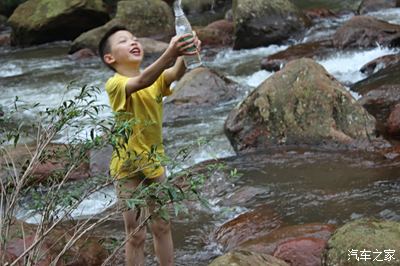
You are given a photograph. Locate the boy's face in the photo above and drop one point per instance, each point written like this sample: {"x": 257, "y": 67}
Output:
{"x": 124, "y": 49}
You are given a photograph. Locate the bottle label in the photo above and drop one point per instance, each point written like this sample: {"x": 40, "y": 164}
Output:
{"x": 191, "y": 49}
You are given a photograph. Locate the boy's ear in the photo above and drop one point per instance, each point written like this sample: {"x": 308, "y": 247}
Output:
{"x": 109, "y": 59}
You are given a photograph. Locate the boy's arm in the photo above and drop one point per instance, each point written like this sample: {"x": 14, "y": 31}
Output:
{"x": 175, "y": 72}
{"x": 149, "y": 75}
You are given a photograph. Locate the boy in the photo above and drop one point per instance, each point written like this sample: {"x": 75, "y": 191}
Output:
{"x": 138, "y": 95}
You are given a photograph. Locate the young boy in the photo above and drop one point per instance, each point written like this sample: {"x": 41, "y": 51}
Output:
{"x": 138, "y": 95}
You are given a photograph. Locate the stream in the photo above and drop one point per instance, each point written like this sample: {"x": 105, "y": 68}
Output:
{"x": 303, "y": 186}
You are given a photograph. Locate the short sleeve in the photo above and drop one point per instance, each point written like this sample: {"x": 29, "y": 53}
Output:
{"x": 165, "y": 89}
{"x": 115, "y": 88}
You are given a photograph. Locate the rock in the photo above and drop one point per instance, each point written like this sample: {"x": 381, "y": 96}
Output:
{"x": 341, "y": 6}
{"x": 82, "y": 54}
{"x": 393, "y": 122}
{"x": 301, "y": 104}
{"x": 380, "y": 63}
{"x": 242, "y": 196}
{"x": 203, "y": 12}
{"x": 218, "y": 33}
{"x": 198, "y": 89}
{"x": 318, "y": 13}
{"x": 246, "y": 258}
{"x": 365, "y": 234}
{"x": 314, "y": 50}
{"x": 86, "y": 251}
{"x": 41, "y": 21}
{"x": 247, "y": 226}
{"x": 365, "y": 31}
{"x": 264, "y": 22}
{"x": 48, "y": 169}
{"x": 375, "y": 5}
{"x": 267, "y": 244}
{"x": 303, "y": 251}
{"x": 143, "y": 24}
{"x": 380, "y": 94}
{"x": 5, "y": 39}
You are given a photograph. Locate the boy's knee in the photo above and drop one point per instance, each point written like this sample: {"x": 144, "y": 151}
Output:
{"x": 160, "y": 228}
{"x": 137, "y": 239}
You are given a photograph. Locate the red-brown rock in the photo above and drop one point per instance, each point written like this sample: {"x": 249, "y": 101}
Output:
{"x": 82, "y": 54}
{"x": 5, "y": 39}
{"x": 365, "y": 31}
{"x": 314, "y": 50}
{"x": 267, "y": 244}
{"x": 218, "y": 33}
{"x": 247, "y": 226}
{"x": 393, "y": 122}
{"x": 380, "y": 63}
{"x": 317, "y": 13}
{"x": 301, "y": 251}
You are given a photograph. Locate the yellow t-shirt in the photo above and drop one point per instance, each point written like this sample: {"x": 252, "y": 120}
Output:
{"x": 146, "y": 107}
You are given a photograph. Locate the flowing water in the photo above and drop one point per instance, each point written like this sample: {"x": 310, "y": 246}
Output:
{"x": 302, "y": 186}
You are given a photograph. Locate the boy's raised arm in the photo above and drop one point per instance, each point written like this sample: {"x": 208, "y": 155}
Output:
{"x": 149, "y": 75}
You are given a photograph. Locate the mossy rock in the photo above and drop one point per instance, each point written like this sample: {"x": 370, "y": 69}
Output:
{"x": 301, "y": 104}
{"x": 41, "y": 21}
{"x": 153, "y": 19}
{"x": 364, "y": 235}
{"x": 264, "y": 22}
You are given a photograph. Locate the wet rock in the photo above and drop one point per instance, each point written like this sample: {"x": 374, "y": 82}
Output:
{"x": 203, "y": 12}
{"x": 303, "y": 251}
{"x": 268, "y": 243}
{"x": 242, "y": 196}
{"x": 365, "y": 234}
{"x": 218, "y": 33}
{"x": 82, "y": 54}
{"x": 247, "y": 226}
{"x": 86, "y": 251}
{"x": 5, "y": 39}
{"x": 48, "y": 169}
{"x": 393, "y": 122}
{"x": 375, "y": 5}
{"x": 314, "y": 50}
{"x": 246, "y": 258}
{"x": 264, "y": 22}
{"x": 16, "y": 247}
{"x": 380, "y": 94}
{"x": 198, "y": 89}
{"x": 365, "y": 31}
{"x": 41, "y": 21}
{"x": 380, "y": 63}
{"x": 143, "y": 24}
{"x": 318, "y": 13}
{"x": 301, "y": 104}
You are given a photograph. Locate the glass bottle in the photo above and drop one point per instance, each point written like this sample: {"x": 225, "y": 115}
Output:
{"x": 182, "y": 26}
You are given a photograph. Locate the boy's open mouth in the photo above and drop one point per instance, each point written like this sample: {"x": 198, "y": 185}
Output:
{"x": 135, "y": 51}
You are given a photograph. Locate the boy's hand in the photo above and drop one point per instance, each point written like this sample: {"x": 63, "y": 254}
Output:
{"x": 186, "y": 44}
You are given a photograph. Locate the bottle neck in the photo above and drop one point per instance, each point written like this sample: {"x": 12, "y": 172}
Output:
{"x": 178, "y": 11}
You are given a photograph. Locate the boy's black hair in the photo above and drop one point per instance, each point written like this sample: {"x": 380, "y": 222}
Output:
{"x": 104, "y": 45}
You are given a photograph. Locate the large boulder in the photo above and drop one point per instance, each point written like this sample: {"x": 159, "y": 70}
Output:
{"x": 246, "y": 258}
{"x": 198, "y": 90}
{"x": 365, "y": 31}
{"x": 137, "y": 16}
{"x": 41, "y": 21}
{"x": 374, "y": 237}
{"x": 264, "y": 22}
{"x": 301, "y": 104}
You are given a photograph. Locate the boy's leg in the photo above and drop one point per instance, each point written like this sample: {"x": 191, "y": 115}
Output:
{"x": 162, "y": 235}
{"x": 134, "y": 247}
